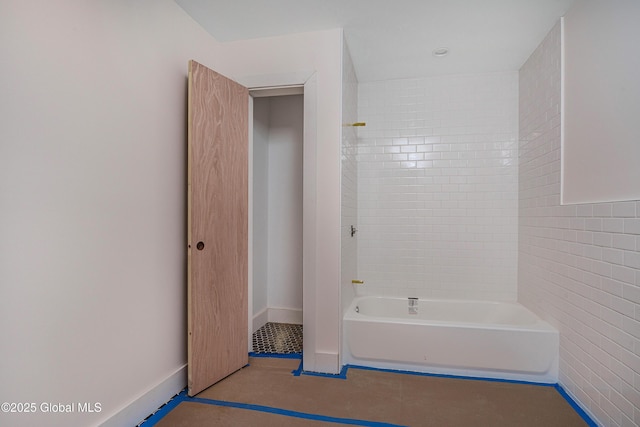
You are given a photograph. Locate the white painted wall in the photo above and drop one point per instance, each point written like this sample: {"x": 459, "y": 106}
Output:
{"x": 578, "y": 265}
{"x": 601, "y": 102}
{"x": 285, "y": 202}
{"x": 92, "y": 222}
{"x": 437, "y": 186}
{"x": 92, "y": 177}
{"x": 278, "y": 207}
{"x": 260, "y": 200}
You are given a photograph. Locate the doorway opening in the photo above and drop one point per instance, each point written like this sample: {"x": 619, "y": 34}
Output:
{"x": 276, "y": 220}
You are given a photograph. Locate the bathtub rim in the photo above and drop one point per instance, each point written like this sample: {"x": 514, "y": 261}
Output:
{"x": 539, "y": 325}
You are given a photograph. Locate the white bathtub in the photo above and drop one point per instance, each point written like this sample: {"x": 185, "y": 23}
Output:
{"x": 471, "y": 338}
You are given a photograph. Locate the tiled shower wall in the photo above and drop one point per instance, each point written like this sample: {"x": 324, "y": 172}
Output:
{"x": 437, "y": 186}
{"x": 579, "y": 265}
{"x": 349, "y": 178}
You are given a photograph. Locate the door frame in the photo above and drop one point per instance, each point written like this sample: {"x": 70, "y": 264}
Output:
{"x": 275, "y": 85}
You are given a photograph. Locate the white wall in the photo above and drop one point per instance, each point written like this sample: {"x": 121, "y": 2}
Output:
{"x": 600, "y": 150}
{"x": 278, "y": 208}
{"x": 260, "y": 200}
{"x": 92, "y": 177}
{"x": 92, "y": 223}
{"x": 285, "y": 202}
{"x": 579, "y": 265}
{"x": 437, "y": 186}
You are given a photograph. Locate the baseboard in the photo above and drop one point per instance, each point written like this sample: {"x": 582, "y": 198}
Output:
{"x": 259, "y": 320}
{"x": 328, "y": 363}
{"x": 285, "y": 315}
{"x": 145, "y": 405}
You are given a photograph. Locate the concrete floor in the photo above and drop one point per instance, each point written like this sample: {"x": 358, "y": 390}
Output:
{"x": 268, "y": 393}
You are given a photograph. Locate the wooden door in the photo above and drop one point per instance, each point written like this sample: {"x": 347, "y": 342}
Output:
{"x": 217, "y": 225}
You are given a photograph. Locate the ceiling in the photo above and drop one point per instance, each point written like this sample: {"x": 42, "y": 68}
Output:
{"x": 395, "y": 39}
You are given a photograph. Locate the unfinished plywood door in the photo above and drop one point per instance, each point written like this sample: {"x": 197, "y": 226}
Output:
{"x": 217, "y": 227}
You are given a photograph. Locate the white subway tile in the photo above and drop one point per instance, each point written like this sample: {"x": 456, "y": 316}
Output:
{"x": 593, "y": 224}
{"x": 613, "y": 256}
{"x": 602, "y": 239}
{"x": 559, "y": 248}
{"x": 632, "y": 226}
{"x": 602, "y": 268}
{"x": 622, "y": 273}
{"x": 632, "y": 259}
{"x": 623, "y": 306}
{"x": 624, "y": 209}
{"x": 613, "y": 225}
{"x": 624, "y": 241}
{"x": 602, "y": 209}
{"x": 436, "y": 156}
{"x": 585, "y": 210}
{"x": 632, "y": 327}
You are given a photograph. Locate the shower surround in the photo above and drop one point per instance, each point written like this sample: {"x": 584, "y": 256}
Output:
{"x": 438, "y": 186}
{"x": 579, "y": 265}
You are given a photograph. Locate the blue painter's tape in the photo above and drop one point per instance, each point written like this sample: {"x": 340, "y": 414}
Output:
{"x": 587, "y": 419}
{"x": 289, "y": 413}
{"x": 342, "y": 375}
{"x": 298, "y": 371}
{"x": 165, "y": 409}
{"x": 277, "y": 355}
{"x": 458, "y": 377}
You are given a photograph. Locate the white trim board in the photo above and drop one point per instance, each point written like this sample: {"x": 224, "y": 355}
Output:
{"x": 147, "y": 403}
{"x": 277, "y": 315}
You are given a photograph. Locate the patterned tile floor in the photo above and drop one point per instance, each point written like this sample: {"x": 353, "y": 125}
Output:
{"x": 278, "y": 338}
